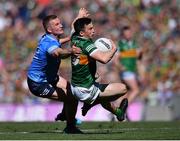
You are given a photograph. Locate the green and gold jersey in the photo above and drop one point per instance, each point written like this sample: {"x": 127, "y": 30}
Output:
{"x": 128, "y": 53}
{"x": 83, "y": 66}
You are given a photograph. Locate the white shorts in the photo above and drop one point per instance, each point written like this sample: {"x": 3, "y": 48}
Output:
{"x": 88, "y": 95}
{"x": 127, "y": 75}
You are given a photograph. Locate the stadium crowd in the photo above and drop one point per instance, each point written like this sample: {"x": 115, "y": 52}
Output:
{"x": 155, "y": 23}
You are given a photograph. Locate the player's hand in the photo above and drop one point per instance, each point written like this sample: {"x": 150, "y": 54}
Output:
{"x": 83, "y": 13}
{"x": 76, "y": 51}
{"x": 114, "y": 48}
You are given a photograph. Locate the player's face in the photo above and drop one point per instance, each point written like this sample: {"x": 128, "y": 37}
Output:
{"x": 55, "y": 27}
{"x": 128, "y": 34}
{"x": 89, "y": 31}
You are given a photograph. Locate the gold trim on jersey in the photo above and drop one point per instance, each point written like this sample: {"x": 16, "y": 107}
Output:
{"x": 83, "y": 60}
{"x": 128, "y": 53}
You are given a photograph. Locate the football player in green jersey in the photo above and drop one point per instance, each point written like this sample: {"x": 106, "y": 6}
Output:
{"x": 126, "y": 61}
{"x": 84, "y": 86}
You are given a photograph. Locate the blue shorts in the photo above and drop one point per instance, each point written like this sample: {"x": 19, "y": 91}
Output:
{"x": 43, "y": 89}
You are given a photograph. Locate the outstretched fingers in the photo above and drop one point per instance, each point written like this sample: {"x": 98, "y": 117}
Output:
{"x": 83, "y": 13}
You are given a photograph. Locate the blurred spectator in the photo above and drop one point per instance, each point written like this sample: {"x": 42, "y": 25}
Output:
{"x": 155, "y": 22}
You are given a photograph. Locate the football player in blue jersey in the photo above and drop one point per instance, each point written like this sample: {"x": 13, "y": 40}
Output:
{"x": 42, "y": 77}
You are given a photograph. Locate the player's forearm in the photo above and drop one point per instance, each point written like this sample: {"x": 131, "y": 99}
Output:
{"x": 103, "y": 57}
{"x": 63, "y": 53}
{"x": 108, "y": 55}
{"x": 64, "y": 40}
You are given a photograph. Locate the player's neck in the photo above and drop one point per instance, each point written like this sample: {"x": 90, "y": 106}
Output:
{"x": 55, "y": 36}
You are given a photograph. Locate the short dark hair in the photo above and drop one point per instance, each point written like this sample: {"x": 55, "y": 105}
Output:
{"x": 80, "y": 23}
{"x": 46, "y": 21}
{"x": 127, "y": 27}
{"x": 124, "y": 29}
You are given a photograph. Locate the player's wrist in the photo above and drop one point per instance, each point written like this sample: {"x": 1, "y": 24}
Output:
{"x": 69, "y": 51}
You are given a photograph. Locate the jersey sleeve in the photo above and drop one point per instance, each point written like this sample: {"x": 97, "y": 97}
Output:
{"x": 52, "y": 46}
{"x": 89, "y": 47}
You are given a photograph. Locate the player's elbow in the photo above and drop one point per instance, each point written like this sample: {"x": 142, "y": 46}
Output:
{"x": 124, "y": 89}
{"x": 55, "y": 54}
{"x": 104, "y": 60}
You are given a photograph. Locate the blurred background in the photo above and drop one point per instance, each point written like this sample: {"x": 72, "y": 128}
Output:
{"x": 156, "y": 27}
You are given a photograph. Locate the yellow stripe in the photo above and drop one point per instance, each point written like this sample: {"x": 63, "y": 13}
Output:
{"x": 128, "y": 53}
{"x": 83, "y": 60}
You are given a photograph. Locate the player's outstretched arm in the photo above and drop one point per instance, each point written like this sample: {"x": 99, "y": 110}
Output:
{"x": 65, "y": 39}
{"x": 66, "y": 52}
{"x": 83, "y": 12}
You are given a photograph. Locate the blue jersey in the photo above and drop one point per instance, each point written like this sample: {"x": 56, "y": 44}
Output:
{"x": 44, "y": 66}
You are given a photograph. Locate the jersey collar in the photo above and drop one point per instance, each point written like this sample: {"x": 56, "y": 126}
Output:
{"x": 51, "y": 37}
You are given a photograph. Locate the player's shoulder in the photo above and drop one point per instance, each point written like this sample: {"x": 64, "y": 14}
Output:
{"x": 48, "y": 39}
{"x": 81, "y": 41}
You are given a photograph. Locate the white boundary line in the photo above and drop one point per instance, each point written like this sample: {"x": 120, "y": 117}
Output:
{"x": 90, "y": 130}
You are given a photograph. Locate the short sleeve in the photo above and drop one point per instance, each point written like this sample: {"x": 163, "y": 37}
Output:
{"x": 52, "y": 46}
{"x": 89, "y": 47}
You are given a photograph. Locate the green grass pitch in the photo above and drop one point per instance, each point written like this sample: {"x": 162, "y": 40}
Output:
{"x": 92, "y": 130}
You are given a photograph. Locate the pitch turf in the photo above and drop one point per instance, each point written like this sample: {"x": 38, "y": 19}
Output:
{"x": 92, "y": 130}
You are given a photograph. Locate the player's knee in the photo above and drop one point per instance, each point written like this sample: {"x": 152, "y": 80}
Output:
{"x": 123, "y": 89}
{"x": 135, "y": 91}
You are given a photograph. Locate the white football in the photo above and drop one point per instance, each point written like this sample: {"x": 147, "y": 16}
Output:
{"x": 103, "y": 44}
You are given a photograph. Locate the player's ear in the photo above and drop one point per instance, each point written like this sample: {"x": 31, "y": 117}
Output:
{"x": 81, "y": 33}
{"x": 49, "y": 29}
